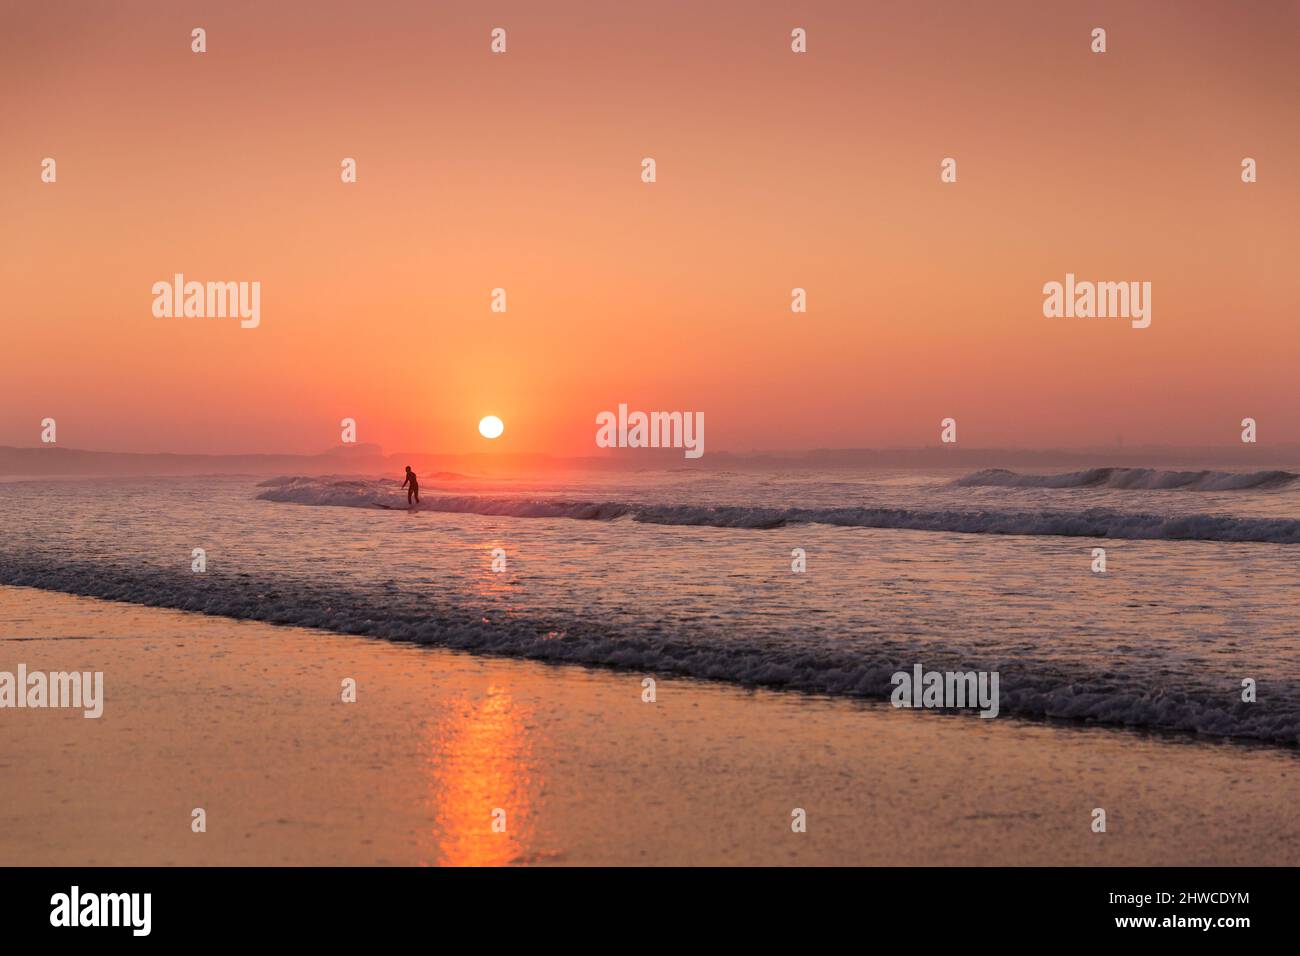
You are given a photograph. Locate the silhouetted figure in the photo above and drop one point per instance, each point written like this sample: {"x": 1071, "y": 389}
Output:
{"x": 414, "y": 490}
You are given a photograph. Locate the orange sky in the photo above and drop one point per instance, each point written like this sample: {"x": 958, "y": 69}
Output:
{"x": 775, "y": 170}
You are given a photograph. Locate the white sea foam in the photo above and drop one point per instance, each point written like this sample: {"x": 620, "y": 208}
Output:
{"x": 1163, "y": 640}
{"x": 1143, "y": 479}
{"x": 1028, "y": 688}
{"x": 1087, "y": 523}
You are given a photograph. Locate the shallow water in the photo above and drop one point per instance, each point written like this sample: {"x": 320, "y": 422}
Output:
{"x": 245, "y": 720}
{"x": 1163, "y": 639}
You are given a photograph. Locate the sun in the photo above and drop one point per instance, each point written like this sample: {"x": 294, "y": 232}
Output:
{"x": 491, "y": 427}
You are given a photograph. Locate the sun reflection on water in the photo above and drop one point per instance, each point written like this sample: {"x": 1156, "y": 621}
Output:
{"x": 480, "y": 760}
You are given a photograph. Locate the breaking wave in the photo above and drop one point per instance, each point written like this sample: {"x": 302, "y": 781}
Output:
{"x": 1029, "y": 688}
{"x": 1087, "y": 523}
{"x": 1137, "y": 479}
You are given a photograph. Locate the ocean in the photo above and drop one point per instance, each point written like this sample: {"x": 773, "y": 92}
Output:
{"x": 689, "y": 573}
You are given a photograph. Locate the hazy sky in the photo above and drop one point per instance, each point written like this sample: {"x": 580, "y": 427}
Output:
{"x": 522, "y": 171}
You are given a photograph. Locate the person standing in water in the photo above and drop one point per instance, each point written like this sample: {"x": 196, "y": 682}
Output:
{"x": 414, "y": 490}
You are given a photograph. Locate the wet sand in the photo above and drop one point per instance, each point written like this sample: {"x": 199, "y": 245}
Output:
{"x": 246, "y": 721}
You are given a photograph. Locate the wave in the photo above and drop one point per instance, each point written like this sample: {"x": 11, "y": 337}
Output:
{"x": 1131, "y": 697}
{"x": 1135, "y": 479}
{"x": 1089, "y": 523}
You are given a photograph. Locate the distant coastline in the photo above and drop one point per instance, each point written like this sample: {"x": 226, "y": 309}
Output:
{"x": 371, "y": 460}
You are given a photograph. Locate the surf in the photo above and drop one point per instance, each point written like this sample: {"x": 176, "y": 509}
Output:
{"x": 1084, "y": 523}
{"x": 1133, "y": 479}
{"x": 1065, "y": 690}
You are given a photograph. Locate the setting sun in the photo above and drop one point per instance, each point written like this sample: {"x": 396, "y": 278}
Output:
{"x": 491, "y": 427}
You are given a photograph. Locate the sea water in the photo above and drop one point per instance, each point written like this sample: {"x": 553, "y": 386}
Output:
{"x": 691, "y": 573}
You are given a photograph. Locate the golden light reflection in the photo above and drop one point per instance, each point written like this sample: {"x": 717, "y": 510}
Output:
{"x": 481, "y": 761}
{"x": 492, "y": 583}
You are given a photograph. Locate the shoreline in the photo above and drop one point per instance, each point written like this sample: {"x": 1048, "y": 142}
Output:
{"x": 354, "y": 614}
{"x": 245, "y": 720}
